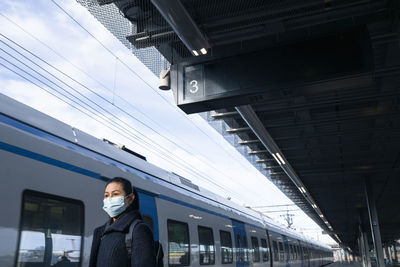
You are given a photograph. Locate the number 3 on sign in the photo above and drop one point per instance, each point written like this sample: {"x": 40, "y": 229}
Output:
{"x": 195, "y": 88}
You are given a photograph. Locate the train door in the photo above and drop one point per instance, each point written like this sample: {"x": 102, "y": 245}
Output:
{"x": 287, "y": 252}
{"x": 242, "y": 252}
{"x": 306, "y": 256}
{"x": 301, "y": 254}
{"x": 148, "y": 209}
{"x": 271, "y": 259}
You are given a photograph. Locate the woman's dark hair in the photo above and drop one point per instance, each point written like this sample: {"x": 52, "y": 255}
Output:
{"x": 128, "y": 189}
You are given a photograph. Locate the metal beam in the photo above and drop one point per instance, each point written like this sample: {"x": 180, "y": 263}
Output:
{"x": 183, "y": 25}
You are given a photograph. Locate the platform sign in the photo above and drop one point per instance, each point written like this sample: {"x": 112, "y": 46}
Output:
{"x": 306, "y": 68}
{"x": 194, "y": 82}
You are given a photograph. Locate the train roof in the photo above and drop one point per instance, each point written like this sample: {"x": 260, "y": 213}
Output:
{"x": 23, "y": 113}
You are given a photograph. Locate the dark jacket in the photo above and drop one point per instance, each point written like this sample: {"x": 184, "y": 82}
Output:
{"x": 109, "y": 248}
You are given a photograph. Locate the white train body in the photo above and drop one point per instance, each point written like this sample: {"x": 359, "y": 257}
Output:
{"x": 52, "y": 184}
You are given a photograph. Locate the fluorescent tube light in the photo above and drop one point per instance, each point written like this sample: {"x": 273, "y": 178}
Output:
{"x": 280, "y": 158}
{"x": 276, "y": 159}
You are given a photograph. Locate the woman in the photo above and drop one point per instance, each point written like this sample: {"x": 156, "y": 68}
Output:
{"x": 109, "y": 248}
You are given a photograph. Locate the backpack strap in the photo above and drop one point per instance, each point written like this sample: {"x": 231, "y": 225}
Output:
{"x": 129, "y": 237}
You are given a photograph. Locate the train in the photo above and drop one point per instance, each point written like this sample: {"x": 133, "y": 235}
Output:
{"x": 53, "y": 178}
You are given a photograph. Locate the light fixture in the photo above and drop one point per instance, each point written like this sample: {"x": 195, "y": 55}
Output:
{"x": 302, "y": 189}
{"x": 253, "y": 231}
{"x": 314, "y": 206}
{"x": 203, "y": 51}
{"x": 322, "y": 216}
{"x": 276, "y": 159}
{"x": 280, "y": 158}
{"x": 195, "y": 53}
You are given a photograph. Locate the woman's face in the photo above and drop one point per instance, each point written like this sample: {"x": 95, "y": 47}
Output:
{"x": 116, "y": 190}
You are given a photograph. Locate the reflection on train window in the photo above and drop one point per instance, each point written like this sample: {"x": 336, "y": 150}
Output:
{"x": 178, "y": 243}
{"x": 255, "y": 249}
{"x": 281, "y": 252}
{"x": 206, "y": 246}
{"x": 226, "y": 247}
{"x": 51, "y": 231}
{"x": 245, "y": 249}
{"x": 264, "y": 250}
{"x": 239, "y": 249}
{"x": 276, "y": 253}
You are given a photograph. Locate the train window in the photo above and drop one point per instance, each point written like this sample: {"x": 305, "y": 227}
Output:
{"x": 264, "y": 250}
{"x": 293, "y": 252}
{"x": 239, "y": 249}
{"x": 281, "y": 252}
{"x": 305, "y": 253}
{"x": 287, "y": 251}
{"x": 276, "y": 252}
{"x": 245, "y": 249}
{"x": 301, "y": 256}
{"x": 178, "y": 243}
{"x": 226, "y": 247}
{"x": 255, "y": 249}
{"x": 51, "y": 230}
{"x": 206, "y": 245}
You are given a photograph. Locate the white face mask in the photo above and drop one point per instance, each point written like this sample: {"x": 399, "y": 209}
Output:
{"x": 114, "y": 206}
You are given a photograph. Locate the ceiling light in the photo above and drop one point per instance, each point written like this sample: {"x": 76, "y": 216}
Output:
{"x": 276, "y": 159}
{"x": 280, "y": 158}
{"x": 195, "y": 53}
{"x": 203, "y": 51}
{"x": 322, "y": 216}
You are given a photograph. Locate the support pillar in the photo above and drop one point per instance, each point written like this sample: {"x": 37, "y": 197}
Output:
{"x": 396, "y": 260}
{"x": 364, "y": 248}
{"x": 389, "y": 254}
{"x": 374, "y": 223}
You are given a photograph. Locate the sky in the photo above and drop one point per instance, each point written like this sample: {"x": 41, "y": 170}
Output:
{"x": 50, "y": 63}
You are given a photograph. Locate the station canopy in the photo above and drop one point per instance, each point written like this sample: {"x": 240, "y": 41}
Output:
{"x": 310, "y": 87}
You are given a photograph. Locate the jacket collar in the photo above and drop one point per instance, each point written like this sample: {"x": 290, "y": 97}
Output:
{"x": 123, "y": 222}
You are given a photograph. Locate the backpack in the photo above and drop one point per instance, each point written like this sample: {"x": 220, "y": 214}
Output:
{"x": 157, "y": 246}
